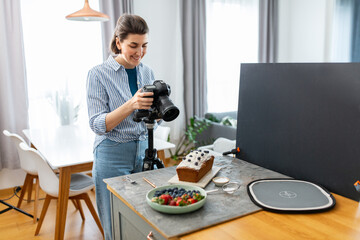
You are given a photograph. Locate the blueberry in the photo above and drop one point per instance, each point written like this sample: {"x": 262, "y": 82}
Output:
{"x": 202, "y": 154}
{"x": 196, "y": 163}
{"x": 189, "y": 160}
{"x": 199, "y": 158}
{"x": 206, "y": 151}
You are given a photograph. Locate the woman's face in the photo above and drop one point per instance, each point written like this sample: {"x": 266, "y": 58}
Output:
{"x": 133, "y": 49}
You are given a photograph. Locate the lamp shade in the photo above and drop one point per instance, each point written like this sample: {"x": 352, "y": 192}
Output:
{"x": 87, "y": 14}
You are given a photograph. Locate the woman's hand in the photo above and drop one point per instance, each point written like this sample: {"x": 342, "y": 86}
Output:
{"x": 142, "y": 100}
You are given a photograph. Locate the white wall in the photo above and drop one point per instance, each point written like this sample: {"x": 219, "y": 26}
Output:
{"x": 304, "y": 30}
{"x": 164, "y": 54}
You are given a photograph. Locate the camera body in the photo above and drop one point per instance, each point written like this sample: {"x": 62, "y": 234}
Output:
{"x": 162, "y": 107}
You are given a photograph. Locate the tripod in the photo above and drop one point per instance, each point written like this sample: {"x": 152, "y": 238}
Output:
{"x": 9, "y": 207}
{"x": 150, "y": 160}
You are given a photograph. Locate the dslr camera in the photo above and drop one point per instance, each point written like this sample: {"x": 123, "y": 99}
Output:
{"x": 162, "y": 107}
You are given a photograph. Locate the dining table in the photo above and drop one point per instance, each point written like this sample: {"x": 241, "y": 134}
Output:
{"x": 69, "y": 149}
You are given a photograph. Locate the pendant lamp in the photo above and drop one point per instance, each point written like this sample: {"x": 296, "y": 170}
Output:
{"x": 88, "y": 14}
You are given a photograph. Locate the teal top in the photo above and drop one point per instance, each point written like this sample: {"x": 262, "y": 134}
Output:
{"x": 132, "y": 80}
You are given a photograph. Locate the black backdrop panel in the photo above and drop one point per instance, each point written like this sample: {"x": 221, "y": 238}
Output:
{"x": 302, "y": 120}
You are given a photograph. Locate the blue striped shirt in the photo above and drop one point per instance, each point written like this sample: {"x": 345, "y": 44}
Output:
{"x": 107, "y": 89}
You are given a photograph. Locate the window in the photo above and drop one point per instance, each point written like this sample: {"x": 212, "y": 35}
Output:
{"x": 59, "y": 54}
{"x": 232, "y": 38}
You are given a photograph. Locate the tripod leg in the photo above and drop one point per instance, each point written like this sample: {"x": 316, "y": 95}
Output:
{"x": 15, "y": 208}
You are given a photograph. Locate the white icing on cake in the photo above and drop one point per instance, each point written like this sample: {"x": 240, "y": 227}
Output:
{"x": 195, "y": 159}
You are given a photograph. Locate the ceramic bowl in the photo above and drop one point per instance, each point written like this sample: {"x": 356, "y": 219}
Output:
{"x": 220, "y": 181}
{"x": 177, "y": 209}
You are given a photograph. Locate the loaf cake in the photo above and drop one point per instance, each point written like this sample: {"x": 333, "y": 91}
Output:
{"x": 194, "y": 166}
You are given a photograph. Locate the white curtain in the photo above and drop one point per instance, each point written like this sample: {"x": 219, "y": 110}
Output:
{"x": 13, "y": 89}
{"x": 341, "y": 34}
{"x": 232, "y": 29}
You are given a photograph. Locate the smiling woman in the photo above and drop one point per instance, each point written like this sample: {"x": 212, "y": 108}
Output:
{"x": 58, "y": 54}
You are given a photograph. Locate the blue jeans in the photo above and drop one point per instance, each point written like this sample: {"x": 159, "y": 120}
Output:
{"x": 112, "y": 159}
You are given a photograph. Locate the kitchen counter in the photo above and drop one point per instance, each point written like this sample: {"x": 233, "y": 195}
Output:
{"x": 129, "y": 202}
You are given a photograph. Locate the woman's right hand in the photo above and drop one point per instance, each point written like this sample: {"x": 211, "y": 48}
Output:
{"x": 142, "y": 100}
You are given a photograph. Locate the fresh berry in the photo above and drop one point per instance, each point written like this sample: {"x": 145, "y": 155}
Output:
{"x": 164, "y": 199}
{"x": 181, "y": 202}
{"x": 172, "y": 203}
{"x": 191, "y": 200}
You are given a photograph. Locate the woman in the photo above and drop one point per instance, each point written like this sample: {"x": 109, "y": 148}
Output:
{"x": 113, "y": 94}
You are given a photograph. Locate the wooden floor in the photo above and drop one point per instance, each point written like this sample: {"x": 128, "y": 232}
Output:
{"x": 15, "y": 225}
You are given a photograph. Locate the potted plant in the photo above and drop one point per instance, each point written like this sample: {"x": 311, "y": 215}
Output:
{"x": 188, "y": 139}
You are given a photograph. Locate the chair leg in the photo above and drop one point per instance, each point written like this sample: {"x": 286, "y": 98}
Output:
{"x": 78, "y": 203}
{"x": 30, "y": 188}
{"x": 43, "y": 213}
{"x": 23, "y": 190}
{"x": 88, "y": 202}
{"x": 36, "y": 203}
{"x": 75, "y": 204}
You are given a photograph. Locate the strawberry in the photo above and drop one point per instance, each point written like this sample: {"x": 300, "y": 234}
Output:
{"x": 181, "y": 202}
{"x": 191, "y": 200}
{"x": 172, "y": 203}
{"x": 198, "y": 197}
{"x": 185, "y": 196}
{"x": 164, "y": 199}
{"x": 155, "y": 199}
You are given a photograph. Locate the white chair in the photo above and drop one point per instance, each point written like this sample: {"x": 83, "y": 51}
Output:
{"x": 49, "y": 183}
{"x": 31, "y": 173}
{"x": 219, "y": 146}
{"x": 162, "y": 132}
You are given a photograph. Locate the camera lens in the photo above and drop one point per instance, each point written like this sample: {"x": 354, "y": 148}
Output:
{"x": 167, "y": 109}
{"x": 171, "y": 113}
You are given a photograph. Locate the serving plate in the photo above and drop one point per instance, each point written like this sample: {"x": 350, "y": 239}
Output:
{"x": 201, "y": 183}
{"x": 176, "y": 209}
